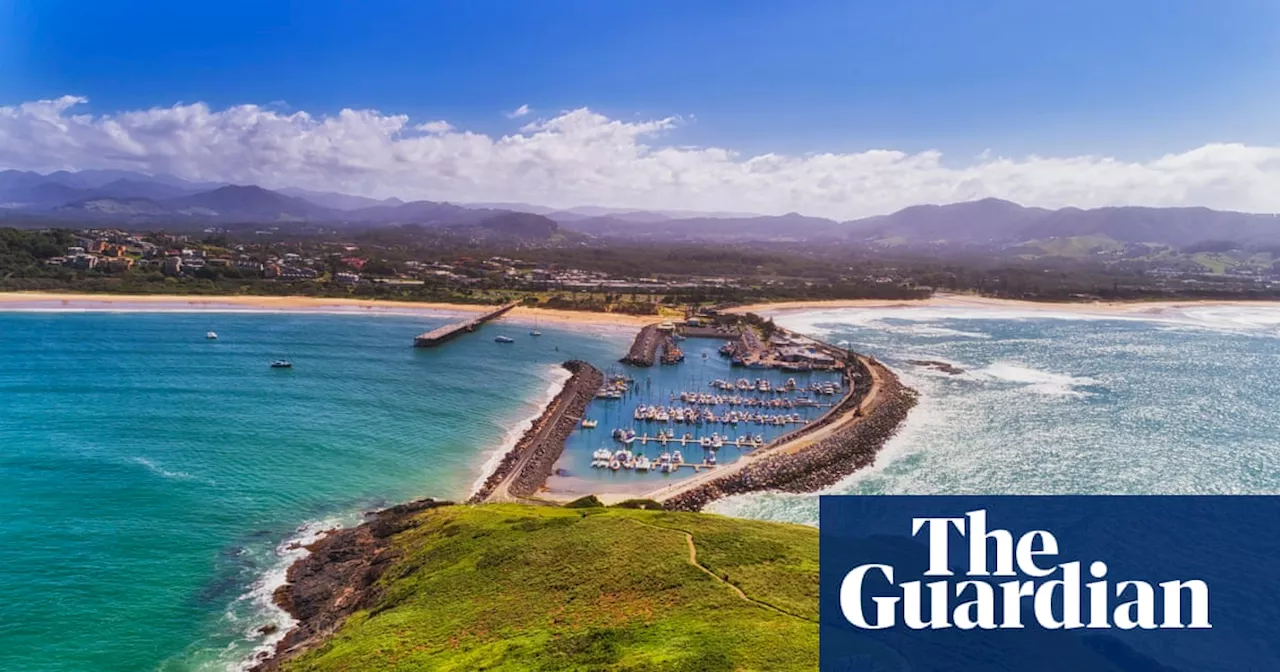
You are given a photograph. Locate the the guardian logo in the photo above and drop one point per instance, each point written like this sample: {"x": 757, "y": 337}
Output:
{"x": 1018, "y": 579}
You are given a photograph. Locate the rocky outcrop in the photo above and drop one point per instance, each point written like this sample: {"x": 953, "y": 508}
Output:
{"x": 339, "y": 577}
{"x": 526, "y": 467}
{"x": 937, "y": 366}
{"x": 644, "y": 350}
{"x": 824, "y": 463}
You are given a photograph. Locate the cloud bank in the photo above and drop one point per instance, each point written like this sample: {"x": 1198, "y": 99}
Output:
{"x": 581, "y": 157}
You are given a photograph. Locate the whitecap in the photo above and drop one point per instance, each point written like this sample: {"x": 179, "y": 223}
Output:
{"x": 1035, "y": 380}
{"x": 559, "y": 377}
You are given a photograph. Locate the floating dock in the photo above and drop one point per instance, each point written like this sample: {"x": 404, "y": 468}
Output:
{"x": 449, "y": 332}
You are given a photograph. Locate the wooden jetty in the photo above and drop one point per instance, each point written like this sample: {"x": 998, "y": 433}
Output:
{"x": 449, "y": 332}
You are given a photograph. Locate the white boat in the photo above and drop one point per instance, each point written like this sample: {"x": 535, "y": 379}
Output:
{"x": 589, "y": 424}
{"x": 504, "y": 339}
{"x": 642, "y": 464}
{"x": 282, "y": 364}
{"x": 677, "y": 458}
{"x": 211, "y": 336}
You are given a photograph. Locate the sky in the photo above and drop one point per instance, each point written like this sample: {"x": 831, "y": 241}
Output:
{"x": 839, "y": 109}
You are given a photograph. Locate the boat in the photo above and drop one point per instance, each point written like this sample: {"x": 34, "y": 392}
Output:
{"x": 643, "y": 464}
{"x": 535, "y": 332}
{"x": 213, "y": 336}
{"x": 615, "y": 465}
{"x": 677, "y": 458}
{"x": 282, "y": 364}
{"x": 711, "y": 459}
{"x": 589, "y": 424}
{"x": 504, "y": 339}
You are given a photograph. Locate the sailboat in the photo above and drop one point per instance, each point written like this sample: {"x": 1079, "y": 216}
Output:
{"x": 535, "y": 331}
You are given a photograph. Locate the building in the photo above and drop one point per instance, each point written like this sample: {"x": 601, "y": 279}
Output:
{"x": 347, "y": 278}
{"x": 173, "y": 266}
{"x": 805, "y": 356}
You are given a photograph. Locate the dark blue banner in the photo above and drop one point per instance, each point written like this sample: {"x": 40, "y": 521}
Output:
{"x": 1105, "y": 584}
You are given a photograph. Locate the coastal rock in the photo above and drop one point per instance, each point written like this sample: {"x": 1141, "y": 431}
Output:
{"x": 526, "y": 467}
{"x": 824, "y": 463}
{"x": 938, "y": 366}
{"x": 339, "y": 577}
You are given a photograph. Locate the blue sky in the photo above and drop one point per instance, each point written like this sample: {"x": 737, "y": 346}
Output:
{"x": 708, "y": 105}
{"x": 1132, "y": 79}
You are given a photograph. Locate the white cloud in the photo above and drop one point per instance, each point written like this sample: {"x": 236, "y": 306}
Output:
{"x": 521, "y": 111}
{"x": 581, "y": 157}
{"x": 434, "y": 127}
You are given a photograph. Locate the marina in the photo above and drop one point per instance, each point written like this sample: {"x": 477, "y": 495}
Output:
{"x": 649, "y": 425}
{"x": 448, "y": 332}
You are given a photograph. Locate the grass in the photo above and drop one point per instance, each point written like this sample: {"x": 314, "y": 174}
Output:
{"x": 511, "y": 587}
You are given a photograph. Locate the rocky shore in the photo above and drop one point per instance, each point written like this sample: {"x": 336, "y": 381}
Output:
{"x": 526, "y": 467}
{"x": 338, "y": 578}
{"x": 644, "y": 350}
{"x": 825, "y": 462}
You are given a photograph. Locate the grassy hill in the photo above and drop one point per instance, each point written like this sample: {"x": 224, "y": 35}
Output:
{"x": 510, "y": 587}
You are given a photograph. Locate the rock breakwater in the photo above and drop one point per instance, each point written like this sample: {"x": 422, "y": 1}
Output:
{"x": 850, "y": 446}
{"x": 526, "y": 467}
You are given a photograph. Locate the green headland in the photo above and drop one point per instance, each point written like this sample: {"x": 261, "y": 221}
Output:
{"x": 516, "y": 587}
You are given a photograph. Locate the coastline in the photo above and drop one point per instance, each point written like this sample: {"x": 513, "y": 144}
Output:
{"x": 175, "y": 302}
{"x": 974, "y": 301}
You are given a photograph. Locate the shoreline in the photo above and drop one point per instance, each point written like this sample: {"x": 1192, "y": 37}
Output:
{"x": 974, "y": 301}
{"x": 55, "y": 301}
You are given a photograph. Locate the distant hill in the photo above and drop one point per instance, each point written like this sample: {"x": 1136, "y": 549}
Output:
{"x": 509, "y": 226}
{"x": 993, "y": 221}
{"x": 337, "y": 201}
{"x": 134, "y": 197}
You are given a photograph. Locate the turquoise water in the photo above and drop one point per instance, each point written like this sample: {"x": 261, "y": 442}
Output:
{"x": 1159, "y": 401}
{"x": 154, "y": 483}
{"x": 151, "y": 480}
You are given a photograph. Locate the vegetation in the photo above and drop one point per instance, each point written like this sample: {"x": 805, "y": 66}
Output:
{"x": 510, "y": 587}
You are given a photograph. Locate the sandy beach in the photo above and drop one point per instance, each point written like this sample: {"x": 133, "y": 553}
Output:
{"x": 159, "y": 302}
{"x": 972, "y": 301}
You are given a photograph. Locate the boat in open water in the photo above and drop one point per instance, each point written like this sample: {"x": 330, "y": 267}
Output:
{"x": 282, "y": 364}
{"x": 504, "y": 339}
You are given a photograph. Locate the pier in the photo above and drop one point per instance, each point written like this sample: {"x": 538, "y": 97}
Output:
{"x": 449, "y": 332}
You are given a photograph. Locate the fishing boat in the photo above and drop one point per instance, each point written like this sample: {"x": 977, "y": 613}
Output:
{"x": 282, "y": 364}
{"x": 504, "y": 339}
{"x": 213, "y": 336}
{"x": 589, "y": 424}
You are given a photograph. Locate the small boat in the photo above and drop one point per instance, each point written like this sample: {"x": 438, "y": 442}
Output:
{"x": 504, "y": 339}
{"x": 589, "y": 424}
{"x": 213, "y": 336}
{"x": 535, "y": 332}
{"x": 615, "y": 465}
{"x": 282, "y": 364}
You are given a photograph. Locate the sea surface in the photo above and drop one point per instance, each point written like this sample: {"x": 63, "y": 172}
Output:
{"x": 154, "y": 484}
{"x": 1170, "y": 401}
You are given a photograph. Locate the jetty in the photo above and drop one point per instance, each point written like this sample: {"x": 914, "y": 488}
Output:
{"x": 645, "y": 348}
{"x": 526, "y": 467}
{"x": 449, "y": 332}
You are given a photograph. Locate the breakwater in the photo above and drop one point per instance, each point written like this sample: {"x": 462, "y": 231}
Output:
{"x": 819, "y": 455}
{"x": 449, "y": 332}
{"x": 644, "y": 350}
{"x": 526, "y": 467}
{"x": 339, "y": 577}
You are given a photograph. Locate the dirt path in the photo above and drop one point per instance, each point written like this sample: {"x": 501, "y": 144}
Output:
{"x": 693, "y": 560}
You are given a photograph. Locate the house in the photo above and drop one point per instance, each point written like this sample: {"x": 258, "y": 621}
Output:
{"x": 173, "y": 266}
{"x": 347, "y": 278}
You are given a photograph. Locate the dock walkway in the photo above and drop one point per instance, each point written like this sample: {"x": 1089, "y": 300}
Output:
{"x": 451, "y": 331}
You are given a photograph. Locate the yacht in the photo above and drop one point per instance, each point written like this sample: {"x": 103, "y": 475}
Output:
{"x": 589, "y": 424}
{"x": 211, "y": 336}
{"x": 282, "y": 364}
{"x": 677, "y": 458}
{"x": 504, "y": 339}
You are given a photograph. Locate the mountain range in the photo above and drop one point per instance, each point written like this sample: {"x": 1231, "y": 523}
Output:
{"x": 131, "y": 197}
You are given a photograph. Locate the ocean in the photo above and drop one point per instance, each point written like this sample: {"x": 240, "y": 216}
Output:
{"x": 1169, "y": 401}
{"x": 155, "y": 484}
